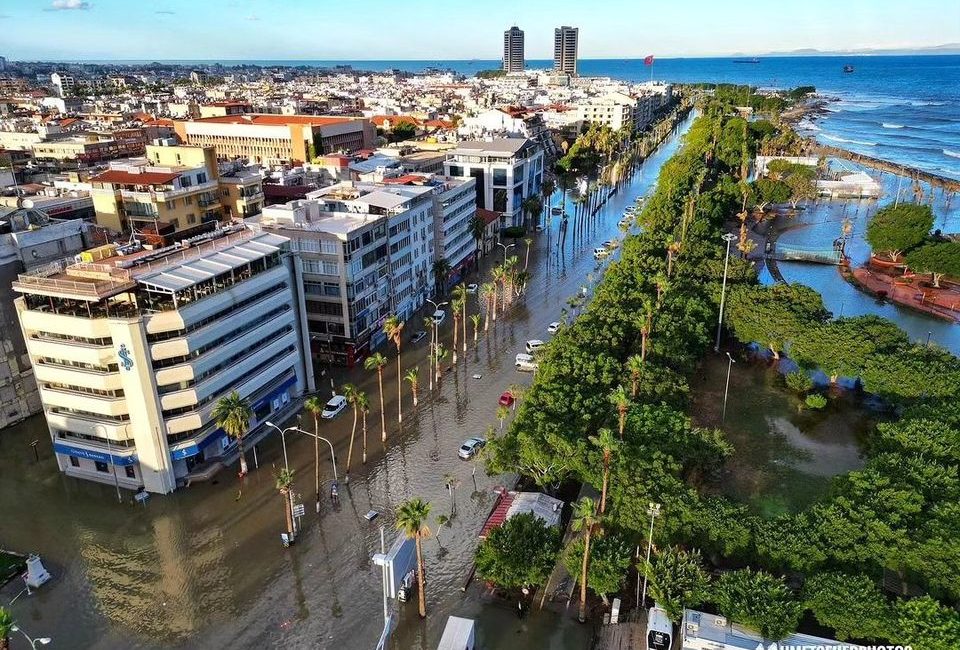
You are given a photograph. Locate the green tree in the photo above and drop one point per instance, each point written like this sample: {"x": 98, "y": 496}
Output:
{"x": 608, "y": 445}
{"x": 896, "y": 229}
{"x": 925, "y": 624}
{"x": 798, "y": 381}
{"x": 774, "y": 316}
{"x": 6, "y": 626}
{"x": 413, "y": 378}
{"x": 802, "y": 182}
{"x": 677, "y": 580}
{"x": 232, "y": 414}
{"x": 609, "y": 561}
{"x": 938, "y": 259}
{"x": 757, "y": 600}
{"x": 403, "y": 130}
{"x": 284, "y": 485}
{"x": 851, "y": 604}
{"x": 520, "y": 553}
{"x": 377, "y": 361}
{"x": 412, "y": 521}
{"x": 767, "y": 191}
{"x": 393, "y": 328}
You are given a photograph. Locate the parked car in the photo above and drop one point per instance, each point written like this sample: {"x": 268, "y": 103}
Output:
{"x": 506, "y": 399}
{"x": 539, "y": 227}
{"x": 525, "y": 362}
{"x": 439, "y": 316}
{"x": 470, "y": 447}
{"x": 610, "y": 244}
{"x": 472, "y": 287}
{"x": 600, "y": 253}
{"x": 556, "y": 211}
{"x": 333, "y": 408}
{"x": 553, "y": 327}
{"x": 533, "y": 345}
{"x": 625, "y": 222}
{"x": 418, "y": 336}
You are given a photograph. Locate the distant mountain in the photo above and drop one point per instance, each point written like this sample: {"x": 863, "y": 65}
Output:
{"x": 946, "y": 48}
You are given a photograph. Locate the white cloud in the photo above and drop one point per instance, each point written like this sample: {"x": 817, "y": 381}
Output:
{"x": 63, "y": 5}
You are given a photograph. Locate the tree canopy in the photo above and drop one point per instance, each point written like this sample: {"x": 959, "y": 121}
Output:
{"x": 521, "y": 552}
{"x": 759, "y": 601}
{"x": 896, "y": 229}
{"x": 939, "y": 259}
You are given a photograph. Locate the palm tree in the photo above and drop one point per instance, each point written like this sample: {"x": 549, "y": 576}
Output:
{"x": 6, "y": 627}
{"x": 350, "y": 392}
{"x": 460, "y": 299}
{"x": 621, "y": 400}
{"x": 526, "y": 257}
{"x": 315, "y": 406}
{"x": 608, "y": 444}
{"x": 376, "y": 362}
{"x": 232, "y": 413}
{"x": 439, "y": 356}
{"x": 532, "y": 206}
{"x": 646, "y": 327}
{"x": 489, "y": 292}
{"x": 584, "y": 519}
{"x": 412, "y": 521}
{"x": 476, "y": 318}
{"x": 478, "y": 229}
{"x": 548, "y": 187}
{"x": 442, "y": 520}
{"x": 413, "y": 376}
{"x": 635, "y": 365}
{"x": 363, "y": 403}
{"x": 441, "y": 272}
{"x": 455, "y": 305}
{"x": 284, "y": 483}
{"x": 429, "y": 325}
{"x": 502, "y": 413}
{"x": 393, "y": 328}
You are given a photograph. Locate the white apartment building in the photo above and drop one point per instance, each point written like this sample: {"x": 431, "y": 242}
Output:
{"x": 63, "y": 83}
{"x": 507, "y": 171}
{"x": 565, "y": 50}
{"x": 619, "y": 110}
{"x": 368, "y": 251}
{"x": 131, "y": 350}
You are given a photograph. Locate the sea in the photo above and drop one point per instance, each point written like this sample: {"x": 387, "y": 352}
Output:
{"x": 905, "y": 109}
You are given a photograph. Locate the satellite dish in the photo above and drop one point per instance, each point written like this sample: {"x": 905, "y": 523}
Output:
{"x": 26, "y": 203}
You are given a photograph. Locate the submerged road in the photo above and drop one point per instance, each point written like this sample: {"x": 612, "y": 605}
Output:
{"x": 204, "y": 567}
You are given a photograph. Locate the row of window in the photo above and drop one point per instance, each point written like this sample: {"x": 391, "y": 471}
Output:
{"x": 79, "y": 365}
{"x": 98, "y": 392}
{"x": 104, "y": 468}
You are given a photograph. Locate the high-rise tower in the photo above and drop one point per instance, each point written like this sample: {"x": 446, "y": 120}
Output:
{"x": 513, "y": 50}
{"x": 565, "y": 49}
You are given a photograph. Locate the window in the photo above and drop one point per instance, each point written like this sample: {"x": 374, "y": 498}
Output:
{"x": 191, "y": 218}
{"x": 101, "y": 467}
{"x": 456, "y": 170}
{"x": 201, "y": 178}
{"x": 185, "y": 181}
{"x": 188, "y": 200}
{"x": 500, "y": 177}
{"x": 74, "y": 461}
{"x": 499, "y": 200}
{"x": 128, "y": 470}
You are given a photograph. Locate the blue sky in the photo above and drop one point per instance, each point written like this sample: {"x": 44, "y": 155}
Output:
{"x": 422, "y": 29}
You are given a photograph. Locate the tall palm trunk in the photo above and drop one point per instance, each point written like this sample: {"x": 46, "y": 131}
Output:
{"x": 456, "y": 335}
{"x": 420, "y": 585}
{"x": 606, "y": 479}
{"x": 383, "y": 413}
{"x": 353, "y": 432}
{"x": 399, "y": 386}
{"x": 463, "y": 317}
{"x": 582, "y": 616}
{"x": 316, "y": 456}
{"x": 286, "y": 511}
{"x": 243, "y": 457}
{"x": 364, "y": 429}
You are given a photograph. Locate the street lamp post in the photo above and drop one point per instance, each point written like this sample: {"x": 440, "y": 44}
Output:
{"x": 653, "y": 509}
{"x": 286, "y": 465}
{"x": 41, "y": 640}
{"x": 505, "y": 247}
{"x": 727, "y": 237}
{"x": 333, "y": 455}
{"x": 726, "y": 388}
{"x": 113, "y": 468}
{"x": 434, "y": 338}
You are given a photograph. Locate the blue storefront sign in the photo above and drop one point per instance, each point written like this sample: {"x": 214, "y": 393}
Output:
{"x": 89, "y": 454}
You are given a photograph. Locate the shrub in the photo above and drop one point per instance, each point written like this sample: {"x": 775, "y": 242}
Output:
{"x": 798, "y": 381}
{"x": 815, "y": 401}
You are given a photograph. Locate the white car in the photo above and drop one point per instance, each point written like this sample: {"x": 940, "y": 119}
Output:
{"x": 600, "y": 253}
{"x": 534, "y": 345}
{"x": 332, "y": 408}
{"x": 470, "y": 447}
{"x": 525, "y": 362}
{"x": 610, "y": 244}
{"x": 553, "y": 327}
{"x": 439, "y": 316}
{"x": 472, "y": 287}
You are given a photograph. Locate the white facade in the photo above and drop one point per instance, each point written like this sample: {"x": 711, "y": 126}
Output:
{"x": 513, "y": 50}
{"x": 131, "y": 353}
{"x": 565, "y": 50}
{"x": 507, "y": 171}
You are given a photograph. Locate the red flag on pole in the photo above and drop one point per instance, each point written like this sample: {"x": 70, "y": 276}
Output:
{"x": 648, "y": 60}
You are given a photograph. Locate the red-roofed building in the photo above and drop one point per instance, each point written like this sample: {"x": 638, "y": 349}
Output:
{"x": 275, "y": 139}
{"x": 492, "y": 220}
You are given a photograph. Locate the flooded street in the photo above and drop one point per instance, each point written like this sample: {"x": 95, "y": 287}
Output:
{"x": 820, "y": 223}
{"x": 204, "y": 567}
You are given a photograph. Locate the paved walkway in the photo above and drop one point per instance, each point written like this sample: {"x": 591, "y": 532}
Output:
{"x": 909, "y": 291}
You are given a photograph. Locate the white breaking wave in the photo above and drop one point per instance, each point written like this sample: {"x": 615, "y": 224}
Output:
{"x": 888, "y": 125}
{"x": 952, "y": 154}
{"x": 837, "y": 138}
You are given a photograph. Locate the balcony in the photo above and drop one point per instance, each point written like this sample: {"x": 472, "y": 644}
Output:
{"x": 207, "y": 200}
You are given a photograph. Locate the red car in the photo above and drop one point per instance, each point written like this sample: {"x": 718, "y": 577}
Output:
{"x": 506, "y": 399}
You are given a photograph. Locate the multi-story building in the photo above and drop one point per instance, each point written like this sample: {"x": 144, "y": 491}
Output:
{"x": 565, "y": 50}
{"x": 173, "y": 192}
{"x": 507, "y": 172}
{"x": 513, "y": 50}
{"x": 89, "y": 148}
{"x": 241, "y": 191}
{"x": 63, "y": 83}
{"x": 615, "y": 110}
{"x": 277, "y": 139}
{"x": 132, "y": 350}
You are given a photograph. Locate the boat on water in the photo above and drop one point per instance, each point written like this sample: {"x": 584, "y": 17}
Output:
{"x": 556, "y": 211}
{"x": 753, "y": 60}
{"x": 848, "y": 68}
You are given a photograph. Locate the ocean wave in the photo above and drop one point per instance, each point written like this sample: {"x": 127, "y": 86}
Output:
{"x": 952, "y": 154}
{"x": 888, "y": 125}
{"x": 837, "y": 138}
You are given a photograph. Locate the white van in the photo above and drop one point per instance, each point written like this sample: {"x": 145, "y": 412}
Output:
{"x": 533, "y": 345}
{"x": 659, "y": 629}
{"x": 526, "y": 363}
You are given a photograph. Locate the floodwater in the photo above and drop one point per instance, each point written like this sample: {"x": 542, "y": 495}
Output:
{"x": 821, "y": 222}
{"x": 204, "y": 567}
{"x": 785, "y": 456}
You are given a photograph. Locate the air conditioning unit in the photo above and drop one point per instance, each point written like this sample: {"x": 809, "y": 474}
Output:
{"x": 720, "y": 621}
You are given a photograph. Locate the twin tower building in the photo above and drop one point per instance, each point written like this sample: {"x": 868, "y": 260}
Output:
{"x": 564, "y": 50}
